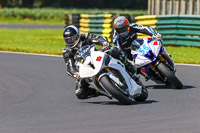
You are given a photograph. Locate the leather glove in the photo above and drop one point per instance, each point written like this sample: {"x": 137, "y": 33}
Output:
{"x": 76, "y": 75}
{"x": 106, "y": 46}
{"x": 157, "y": 37}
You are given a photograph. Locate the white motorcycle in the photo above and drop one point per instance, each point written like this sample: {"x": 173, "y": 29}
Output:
{"x": 108, "y": 75}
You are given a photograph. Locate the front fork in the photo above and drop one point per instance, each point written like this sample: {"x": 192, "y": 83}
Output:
{"x": 162, "y": 58}
{"x": 167, "y": 59}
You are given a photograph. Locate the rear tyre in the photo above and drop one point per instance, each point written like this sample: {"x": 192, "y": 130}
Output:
{"x": 171, "y": 77}
{"x": 114, "y": 91}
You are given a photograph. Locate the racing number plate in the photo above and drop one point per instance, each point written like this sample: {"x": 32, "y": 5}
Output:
{"x": 144, "y": 49}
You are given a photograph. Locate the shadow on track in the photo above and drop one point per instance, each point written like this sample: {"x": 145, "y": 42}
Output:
{"x": 120, "y": 104}
{"x": 169, "y": 87}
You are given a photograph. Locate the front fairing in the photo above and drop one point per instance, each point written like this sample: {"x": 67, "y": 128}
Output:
{"x": 133, "y": 88}
{"x": 92, "y": 65}
{"x": 147, "y": 53}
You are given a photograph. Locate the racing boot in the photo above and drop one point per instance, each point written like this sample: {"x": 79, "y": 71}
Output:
{"x": 84, "y": 91}
{"x": 131, "y": 69}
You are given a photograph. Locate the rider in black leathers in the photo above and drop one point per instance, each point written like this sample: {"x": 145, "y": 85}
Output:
{"x": 125, "y": 35}
{"x": 74, "y": 40}
{"x": 125, "y": 39}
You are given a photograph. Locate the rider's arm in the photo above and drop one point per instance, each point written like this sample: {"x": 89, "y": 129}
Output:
{"x": 94, "y": 39}
{"x": 70, "y": 62}
{"x": 116, "y": 40}
{"x": 142, "y": 29}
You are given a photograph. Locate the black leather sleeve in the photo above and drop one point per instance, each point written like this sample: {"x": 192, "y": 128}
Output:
{"x": 70, "y": 62}
{"x": 142, "y": 29}
{"x": 94, "y": 39}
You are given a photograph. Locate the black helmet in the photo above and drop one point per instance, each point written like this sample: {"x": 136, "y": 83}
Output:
{"x": 71, "y": 36}
{"x": 121, "y": 25}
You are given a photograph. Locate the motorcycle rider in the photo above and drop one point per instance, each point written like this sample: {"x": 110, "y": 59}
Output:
{"x": 74, "y": 40}
{"x": 125, "y": 36}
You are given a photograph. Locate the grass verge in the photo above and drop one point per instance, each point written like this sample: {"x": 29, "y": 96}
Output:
{"x": 184, "y": 54}
{"x": 11, "y": 20}
{"x": 49, "y": 41}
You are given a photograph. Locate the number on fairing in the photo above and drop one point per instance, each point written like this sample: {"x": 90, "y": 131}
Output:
{"x": 144, "y": 49}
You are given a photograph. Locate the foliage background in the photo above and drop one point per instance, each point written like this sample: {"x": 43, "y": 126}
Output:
{"x": 100, "y": 4}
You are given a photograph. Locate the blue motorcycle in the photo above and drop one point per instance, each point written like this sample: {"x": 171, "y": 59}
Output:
{"x": 153, "y": 62}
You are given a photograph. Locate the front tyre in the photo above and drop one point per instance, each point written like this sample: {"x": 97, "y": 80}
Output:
{"x": 114, "y": 91}
{"x": 143, "y": 96}
{"x": 171, "y": 77}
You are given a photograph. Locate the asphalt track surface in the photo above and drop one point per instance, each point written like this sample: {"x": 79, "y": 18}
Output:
{"x": 37, "y": 96}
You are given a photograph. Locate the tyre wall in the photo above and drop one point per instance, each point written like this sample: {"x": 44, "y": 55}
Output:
{"x": 176, "y": 29}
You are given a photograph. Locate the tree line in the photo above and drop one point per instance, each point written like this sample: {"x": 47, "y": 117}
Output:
{"x": 83, "y": 4}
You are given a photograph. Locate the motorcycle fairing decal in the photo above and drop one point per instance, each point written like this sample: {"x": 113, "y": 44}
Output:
{"x": 149, "y": 40}
{"x": 99, "y": 58}
{"x": 144, "y": 49}
{"x": 144, "y": 70}
{"x": 150, "y": 55}
{"x": 155, "y": 43}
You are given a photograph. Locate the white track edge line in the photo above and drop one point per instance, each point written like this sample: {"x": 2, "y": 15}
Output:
{"x": 30, "y": 54}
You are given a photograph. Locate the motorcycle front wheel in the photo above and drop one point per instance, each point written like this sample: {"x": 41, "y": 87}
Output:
{"x": 171, "y": 77}
{"x": 144, "y": 94}
{"x": 114, "y": 91}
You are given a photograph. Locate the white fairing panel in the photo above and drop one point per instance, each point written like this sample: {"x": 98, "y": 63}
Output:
{"x": 141, "y": 61}
{"x": 96, "y": 59}
{"x": 155, "y": 46}
{"x": 133, "y": 88}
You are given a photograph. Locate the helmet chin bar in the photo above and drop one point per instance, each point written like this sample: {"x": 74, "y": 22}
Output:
{"x": 124, "y": 34}
{"x": 79, "y": 44}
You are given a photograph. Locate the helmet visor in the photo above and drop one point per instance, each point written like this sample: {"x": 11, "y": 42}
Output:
{"x": 122, "y": 29}
{"x": 71, "y": 40}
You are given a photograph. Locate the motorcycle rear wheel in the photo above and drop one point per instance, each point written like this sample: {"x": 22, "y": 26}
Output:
{"x": 171, "y": 77}
{"x": 114, "y": 91}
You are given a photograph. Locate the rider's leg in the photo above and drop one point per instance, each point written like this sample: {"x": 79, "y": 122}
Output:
{"x": 116, "y": 53}
{"x": 83, "y": 91}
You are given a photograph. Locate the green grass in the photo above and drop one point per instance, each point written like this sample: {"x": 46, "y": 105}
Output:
{"x": 184, "y": 54}
{"x": 30, "y": 21}
{"x": 49, "y": 41}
